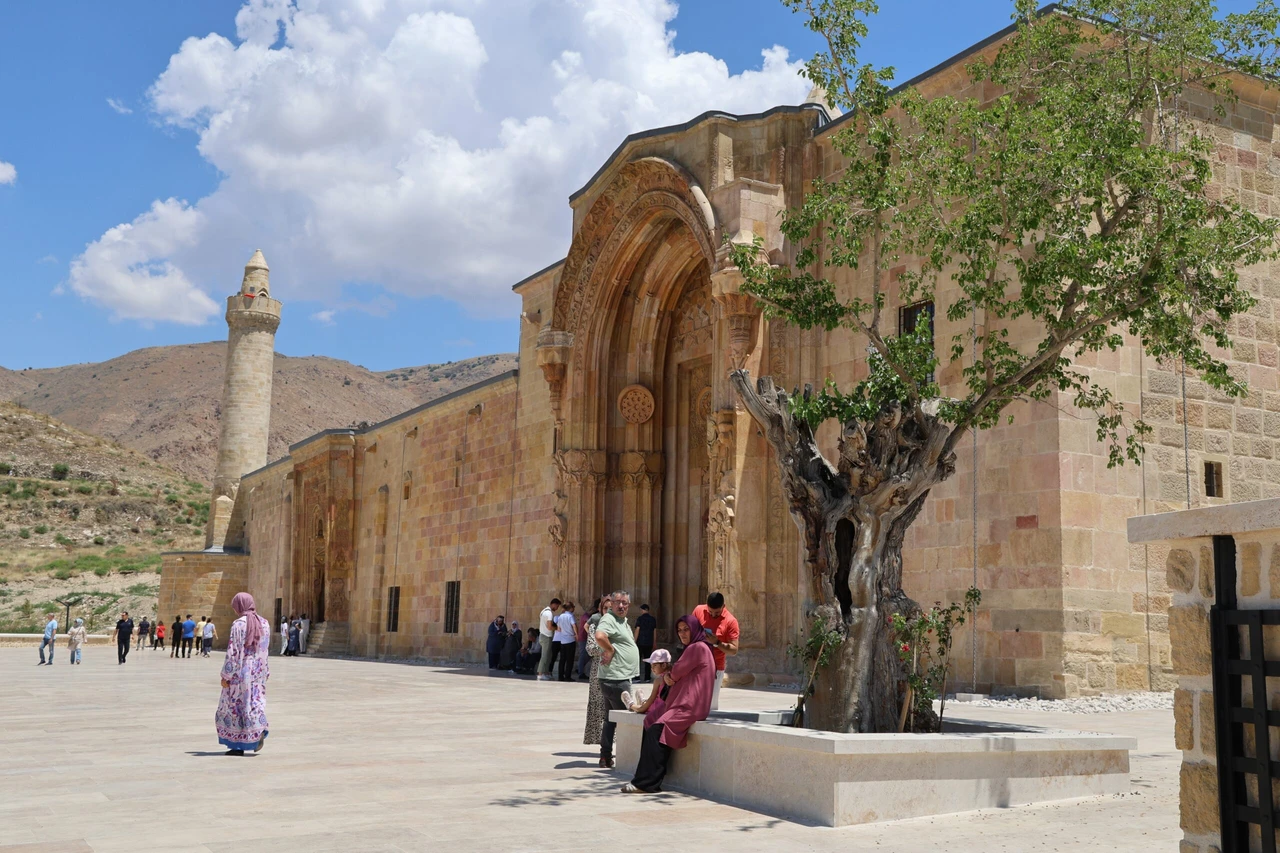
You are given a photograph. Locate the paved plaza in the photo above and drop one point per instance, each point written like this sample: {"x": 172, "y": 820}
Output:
{"x": 376, "y": 757}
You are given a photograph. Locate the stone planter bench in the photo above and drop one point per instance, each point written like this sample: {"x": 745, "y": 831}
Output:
{"x": 838, "y": 780}
{"x": 33, "y": 640}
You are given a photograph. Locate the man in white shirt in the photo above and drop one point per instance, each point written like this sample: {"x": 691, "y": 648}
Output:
{"x": 547, "y": 630}
{"x": 210, "y": 634}
{"x": 566, "y": 641}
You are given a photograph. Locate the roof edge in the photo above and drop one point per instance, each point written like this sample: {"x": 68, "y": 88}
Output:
{"x": 548, "y": 268}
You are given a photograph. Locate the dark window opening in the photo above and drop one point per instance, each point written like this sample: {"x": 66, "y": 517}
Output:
{"x": 1213, "y": 480}
{"x": 452, "y": 602}
{"x": 909, "y": 317}
{"x": 393, "y": 609}
{"x": 279, "y": 615}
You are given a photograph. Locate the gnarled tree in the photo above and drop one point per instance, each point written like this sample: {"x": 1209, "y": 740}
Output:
{"x": 1076, "y": 202}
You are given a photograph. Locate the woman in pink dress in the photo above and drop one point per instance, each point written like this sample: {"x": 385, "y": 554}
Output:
{"x": 242, "y": 711}
{"x": 688, "y": 700}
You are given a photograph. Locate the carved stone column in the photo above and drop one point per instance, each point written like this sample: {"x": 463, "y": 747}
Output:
{"x": 580, "y": 485}
{"x": 721, "y": 566}
{"x": 639, "y": 476}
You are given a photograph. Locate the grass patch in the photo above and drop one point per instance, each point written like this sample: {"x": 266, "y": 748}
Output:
{"x": 143, "y": 589}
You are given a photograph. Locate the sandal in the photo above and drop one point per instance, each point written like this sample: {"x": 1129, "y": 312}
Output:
{"x": 632, "y": 789}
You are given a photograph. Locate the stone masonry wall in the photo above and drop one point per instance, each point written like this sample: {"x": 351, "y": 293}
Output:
{"x": 1182, "y": 543}
{"x": 202, "y": 584}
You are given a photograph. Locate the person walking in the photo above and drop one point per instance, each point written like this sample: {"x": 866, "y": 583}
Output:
{"x": 152, "y": 632}
{"x": 159, "y": 640}
{"x": 241, "y": 718}
{"x": 688, "y": 700}
{"x": 188, "y": 633}
{"x": 143, "y": 628}
{"x": 496, "y": 640}
{"x": 595, "y": 699}
{"x": 75, "y": 639}
{"x": 211, "y": 634}
{"x": 304, "y": 630}
{"x": 565, "y": 642}
{"x": 123, "y": 635}
{"x": 175, "y": 636}
{"x": 645, "y": 626}
{"x": 546, "y": 631}
{"x": 722, "y": 633}
{"x": 50, "y": 636}
{"x": 197, "y": 636}
{"x": 619, "y": 666}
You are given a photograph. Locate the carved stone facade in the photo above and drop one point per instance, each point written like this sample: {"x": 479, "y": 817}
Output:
{"x": 626, "y": 461}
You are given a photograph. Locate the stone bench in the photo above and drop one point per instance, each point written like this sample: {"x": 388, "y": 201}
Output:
{"x": 33, "y": 640}
{"x": 842, "y": 779}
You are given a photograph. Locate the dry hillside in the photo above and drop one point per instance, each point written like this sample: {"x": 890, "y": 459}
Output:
{"x": 84, "y": 520}
{"x": 164, "y": 401}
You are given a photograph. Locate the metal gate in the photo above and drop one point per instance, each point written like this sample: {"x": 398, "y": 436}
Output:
{"x": 1239, "y": 657}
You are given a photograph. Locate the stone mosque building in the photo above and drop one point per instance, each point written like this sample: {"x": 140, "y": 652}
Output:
{"x": 617, "y": 456}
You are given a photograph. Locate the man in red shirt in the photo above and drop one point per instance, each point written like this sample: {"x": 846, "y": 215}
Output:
{"x": 722, "y": 628}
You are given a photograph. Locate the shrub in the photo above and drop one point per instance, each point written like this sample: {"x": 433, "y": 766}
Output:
{"x": 63, "y": 574}
{"x": 60, "y": 471}
{"x": 42, "y": 529}
{"x": 98, "y": 540}
{"x": 84, "y": 489}
{"x": 102, "y": 571}
{"x": 5, "y": 468}
{"x": 173, "y": 499}
{"x": 62, "y": 540}
{"x": 24, "y": 533}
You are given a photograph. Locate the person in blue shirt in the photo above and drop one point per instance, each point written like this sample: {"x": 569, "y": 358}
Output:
{"x": 188, "y": 636}
{"x": 50, "y": 633}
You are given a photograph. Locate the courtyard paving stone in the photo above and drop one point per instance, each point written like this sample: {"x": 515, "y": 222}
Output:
{"x": 370, "y": 757}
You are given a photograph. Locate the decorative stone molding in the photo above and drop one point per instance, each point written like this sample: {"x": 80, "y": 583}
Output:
{"x": 739, "y": 309}
{"x": 636, "y": 468}
{"x": 580, "y": 466}
{"x": 554, "y": 349}
{"x": 636, "y": 404}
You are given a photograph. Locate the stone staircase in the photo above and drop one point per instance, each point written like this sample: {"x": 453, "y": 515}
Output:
{"x": 328, "y": 639}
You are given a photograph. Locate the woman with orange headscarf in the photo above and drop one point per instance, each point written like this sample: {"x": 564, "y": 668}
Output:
{"x": 241, "y": 719}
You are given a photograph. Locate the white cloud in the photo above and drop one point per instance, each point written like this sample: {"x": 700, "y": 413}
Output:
{"x": 8, "y": 173}
{"x": 427, "y": 146}
{"x": 118, "y": 106}
{"x": 325, "y": 318}
{"x": 128, "y": 269}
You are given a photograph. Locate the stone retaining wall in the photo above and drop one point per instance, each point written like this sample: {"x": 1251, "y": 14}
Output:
{"x": 203, "y": 584}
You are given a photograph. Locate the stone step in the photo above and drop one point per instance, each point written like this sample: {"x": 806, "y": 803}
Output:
{"x": 329, "y": 638}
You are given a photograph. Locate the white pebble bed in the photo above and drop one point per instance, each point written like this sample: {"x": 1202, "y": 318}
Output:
{"x": 1081, "y": 704}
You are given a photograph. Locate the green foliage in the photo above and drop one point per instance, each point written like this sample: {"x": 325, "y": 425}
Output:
{"x": 63, "y": 574}
{"x": 41, "y": 529}
{"x": 25, "y": 607}
{"x": 98, "y": 540}
{"x": 24, "y": 533}
{"x": 924, "y": 647}
{"x": 60, "y": 471}
{"x": 102, "y": 571}
{"x": 62, "y": 540}
{"x": 84, "y": 489}
{"x": 143, "y": 589}
{"x": 819, "y": 646}
{"x": 5, "y": 468}
{"x": 1075, "y": 203}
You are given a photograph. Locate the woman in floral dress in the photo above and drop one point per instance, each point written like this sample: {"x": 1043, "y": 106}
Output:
{"x": 242, "y": 711}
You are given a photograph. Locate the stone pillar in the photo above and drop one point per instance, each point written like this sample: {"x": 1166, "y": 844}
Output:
{"x": 252, "y": 319}
{"x": 581, "y": 476}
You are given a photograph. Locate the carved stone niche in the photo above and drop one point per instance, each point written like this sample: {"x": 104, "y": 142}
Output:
{"x": 739, "y": 310}
{"x": 554, "y": 348}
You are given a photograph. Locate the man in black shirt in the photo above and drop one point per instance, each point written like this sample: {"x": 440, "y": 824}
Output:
{"x": 645, "y": 626}
{"x": 124, "y": 636}
{"x": 175, "y": 636}
{"x": 143, "y": 627}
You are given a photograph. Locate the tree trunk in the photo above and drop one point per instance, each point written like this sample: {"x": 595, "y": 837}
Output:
{"x": 854, "y": 518}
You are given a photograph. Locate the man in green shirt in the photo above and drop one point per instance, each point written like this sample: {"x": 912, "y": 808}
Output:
{"x": 619, "y": 664}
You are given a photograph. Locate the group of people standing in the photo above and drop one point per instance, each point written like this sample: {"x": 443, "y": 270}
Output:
{"x": 293, "y": 635}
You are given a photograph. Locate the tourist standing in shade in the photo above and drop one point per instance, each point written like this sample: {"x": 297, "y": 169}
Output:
{"x": 722, "y": 633}
{"x": 690, "y": 684}
{"x": 619, "y": 666}
{"x": 547, "y": 631}
{"x": 144, "y": 631}
{"x": 75, "y": 639}
{"x": 645, "y": 626}
{"x": 510, "y": 648}
{"x": 496, "y": 640}
{"x": 565, "y": 642}
{"x": 211, "y": 634}
{"x": 304, "y": 630}
{"x": 50, "y": 637}
{"x": 295, "y": 639}
{"x": 284, "y": 636}
{"x": 123, "y": 635}
{"x": 241, "y": 719}
{"x": 595, "y": 699}
{"x": 188, "y": 634}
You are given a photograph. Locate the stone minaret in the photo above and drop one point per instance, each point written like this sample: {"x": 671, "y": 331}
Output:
{"x": 252, "y": 319}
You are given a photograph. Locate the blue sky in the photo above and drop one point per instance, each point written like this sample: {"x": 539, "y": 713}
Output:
{"x": 95, "y": 147}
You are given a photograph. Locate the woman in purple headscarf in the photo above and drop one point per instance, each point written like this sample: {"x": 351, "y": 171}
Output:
{"x": 242, "y": 711}
{"x": 689, "y": 686}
